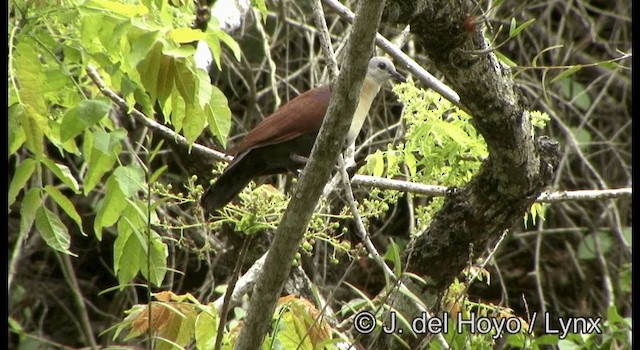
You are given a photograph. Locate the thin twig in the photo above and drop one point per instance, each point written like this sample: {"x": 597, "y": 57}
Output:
{"x": 70, "y": 277}
{"x": 228, "y": 293}
{"x": 360, "y": 229}
{"x": 270, "y": 62}
{"x": 325, "y": 38}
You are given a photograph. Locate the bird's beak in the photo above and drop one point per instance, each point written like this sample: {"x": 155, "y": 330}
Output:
{"x": 398, "y": 77}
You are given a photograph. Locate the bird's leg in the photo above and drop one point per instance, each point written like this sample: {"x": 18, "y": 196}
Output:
{"x": 300, "y": 162}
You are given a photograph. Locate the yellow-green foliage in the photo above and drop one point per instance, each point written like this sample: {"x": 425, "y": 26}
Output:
{"x": 441, "y": 147}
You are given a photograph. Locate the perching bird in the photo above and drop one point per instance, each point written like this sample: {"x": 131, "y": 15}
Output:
{"x": 282, "y": 141}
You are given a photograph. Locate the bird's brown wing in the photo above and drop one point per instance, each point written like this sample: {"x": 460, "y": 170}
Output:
{"x": 301, "y": 115}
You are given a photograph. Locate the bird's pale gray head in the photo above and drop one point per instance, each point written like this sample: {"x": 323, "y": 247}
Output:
{"x": 381, "y": 69}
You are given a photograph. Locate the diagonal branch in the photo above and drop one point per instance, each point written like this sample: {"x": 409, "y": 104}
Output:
{"x": 316, "y": 173}
{"x": 158, "y": 128}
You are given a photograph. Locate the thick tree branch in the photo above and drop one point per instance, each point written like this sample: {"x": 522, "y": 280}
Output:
{"x": 314, "y": 176}
{"x": 514, "y": 175}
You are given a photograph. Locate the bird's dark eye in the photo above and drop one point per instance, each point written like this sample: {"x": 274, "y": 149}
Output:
{"x": 381, "y": 65}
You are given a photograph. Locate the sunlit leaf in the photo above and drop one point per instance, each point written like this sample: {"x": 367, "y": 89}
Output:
{"x": 81, "y": 117}
{"x": 110, "y": 208}
{"x": 232, "y": 44}
{"x": 206, "y": 328}
{"x": 100, "y": 151}
{"x": 218, "y": 116}
{"x": 186, "y": 35}
{"x": 194, "y": 122}
{"x": 119, "y": 8}
{"x": 130, "y": 179}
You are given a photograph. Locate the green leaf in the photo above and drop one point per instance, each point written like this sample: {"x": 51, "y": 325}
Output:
{"x": 214, "y": 44}
{"x": 186, "y": 35}
{"x": 179, "y": 111}
{"x": 219, "y": 116}
{"x": 534, "y": 61}
{"x": 127, "y": 253}
{"x": 626, "y": 278}
{"x": 514, "y": 31}
{"x": 100, "y": 151}
{"x": 454, "y": 131}
{"x": 159, "y": 253}
{"x": 109, "y": 210}
{"x": 53, "y": 230}
{"x": 186, "y": 327}
{"x": 609, "y": 64}
{"x": 506, "y": 60}
{"x": 232, "y": 44}
{"x": 63, "y": 173}
{"x": 613, "y": 316}
{"x": 33, "y": 125}
{"x": 130, "y": 180}
{"x": 131, "y": 254}
{"x": 582, "y": 136}
{"x": 183, "y": 51}
{"x": 587, "y": 247}
{"x": 410, "y": 161}
{"x": 149, "y": 67}
{"x": 156, "y": 174}
{"x": 55, "y": 139}
{"x": 194, "y": 122}
{"x": 17, "y": 135}
{"x": 547, "y": 339}
{"x": 186, "y": 80}
{"x": 30, "y": 74}
{"x": 565, "y": 344}
{"x": 262, "y": 8}
{"x": 65, "y": 204}
{"x": 204, "y": 90}
{"x": 167, "y": 75}
{"x": 20, "y": 177}
{"x": 377, "y": 163}
{"x": 141, "y": 45}
{"x": 119, "y": 8}
{"x": 575, "y": 91}
{"x": 393, "y": 255}
{"x": 30, "y": 203}
{"x": 292, "y": 332}
{"x": 206, "y": 328}
{"x": 567, "y": 73}
{"x": 81, "y": 117}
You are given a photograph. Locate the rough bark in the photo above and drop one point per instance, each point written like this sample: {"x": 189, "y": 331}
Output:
{"x": 519, "y": 165}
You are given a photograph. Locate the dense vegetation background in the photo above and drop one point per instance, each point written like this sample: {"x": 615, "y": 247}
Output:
{"x": 89, "y": 177}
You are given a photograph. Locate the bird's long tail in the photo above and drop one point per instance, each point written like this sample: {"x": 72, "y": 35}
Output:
{"x": 227, "y": 187}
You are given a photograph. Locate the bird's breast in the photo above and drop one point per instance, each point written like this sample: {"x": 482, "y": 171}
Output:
{"x": 367, "y": 94}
